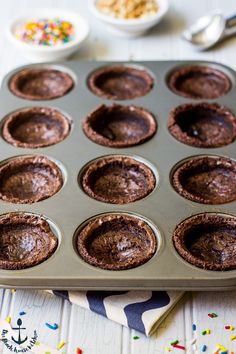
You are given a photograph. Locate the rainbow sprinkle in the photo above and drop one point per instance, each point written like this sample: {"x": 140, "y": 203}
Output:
{"x": 61, "y": 345}
{"x": 232, "y": 338}
{"x": 174, "y": 342}
{"x": 46, "y": 32}
{"x": 178, "y": 346}
{"x": 221, "y": 347}
{"x": 229, "y": 327}
{"x": 54, "y": 326}
{"x": 136, "y": 337}
{"x": 204, "y": 348}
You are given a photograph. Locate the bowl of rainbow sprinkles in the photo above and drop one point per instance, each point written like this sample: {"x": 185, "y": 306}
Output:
{"x": 48, "y": 34}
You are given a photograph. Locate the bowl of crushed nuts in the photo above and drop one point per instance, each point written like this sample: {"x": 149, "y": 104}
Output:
{"x": 129, "y": 18}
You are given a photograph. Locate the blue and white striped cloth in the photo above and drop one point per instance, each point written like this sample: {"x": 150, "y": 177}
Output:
{"x": 140, "y": 310}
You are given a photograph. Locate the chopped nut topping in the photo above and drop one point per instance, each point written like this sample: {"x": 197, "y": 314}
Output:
{"x": 128, "y": 9}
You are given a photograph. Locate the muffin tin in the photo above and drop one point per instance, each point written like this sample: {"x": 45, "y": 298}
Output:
{"x": 70, "y": 208}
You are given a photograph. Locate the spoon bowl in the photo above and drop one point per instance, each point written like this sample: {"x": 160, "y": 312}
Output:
{"x": 208, "y": 30}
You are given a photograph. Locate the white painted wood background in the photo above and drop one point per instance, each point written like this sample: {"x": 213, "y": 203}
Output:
{"x": 78, "y": 327}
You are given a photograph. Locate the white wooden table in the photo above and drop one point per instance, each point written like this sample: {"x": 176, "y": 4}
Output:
{"x": 78, "y": 327}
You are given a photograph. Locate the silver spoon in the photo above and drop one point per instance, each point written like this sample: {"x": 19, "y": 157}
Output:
{"x": 208, "y": 30}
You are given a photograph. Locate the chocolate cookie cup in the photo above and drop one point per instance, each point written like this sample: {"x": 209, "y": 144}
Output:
{"x": 40, "y": 83}
{"x": 117, "y": 179}
{"x": 206, "y": 179}
{"x": 29, "y": 179}
{"x": 35, "y": 127}
{"x": 119, "y": 126}
{"x": 199, "y": 82}
{"x": 120, "y": 82}
{"x": 26, "y": 240}
{"x": 116, "y": 241}
{"x": 202, "y": 125}
{"x": 208, "y": 241}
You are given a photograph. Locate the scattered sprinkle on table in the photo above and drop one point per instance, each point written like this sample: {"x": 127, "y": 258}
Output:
{"x": 46, "y": 32}
{"x": 214, "y": 314}
{"x": 167, "y": 349}
{"x": 8, "y": 319}
{"x": 230, "y": 327}
{"x": 54, "y": 326}
{"x": 22, "y": 313}
{"x": 136, "y": 337}
{"x": 79, "y": 351}
{"x": 174, "y": 342}
{"x": 13, "y": 290}
{"x": 194, "y": 327}
{"x": 178, "y": 346}
{"x": 61, "y": 345}
{"x": 204, "y": 348}
{"x": 221, "y": 347}
{"x": 193, "y": 341}
{"x": 232, "y": 338}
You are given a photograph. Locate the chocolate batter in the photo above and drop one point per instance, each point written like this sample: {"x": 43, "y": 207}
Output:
{"x": 40, "y": 84}
{"x": 29, "y": 179}
{"x": 202, "y": 125}
{"x": 199, "y": 82}
{"x": 208, "y": 180}
{"x": 207, "y": 241}
{"x": 119, "y": 126}
{"x": 25, "y": 241}
{"x": 116, "y": 242}
{"x": 120, "y": 82}
{"x": 35, "y": 127}
{"x": 118, "y": 180}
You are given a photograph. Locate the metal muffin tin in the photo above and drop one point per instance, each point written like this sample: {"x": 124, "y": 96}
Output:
{"x": 71, "y": 207}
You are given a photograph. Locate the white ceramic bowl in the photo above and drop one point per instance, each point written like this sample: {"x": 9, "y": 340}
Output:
{"x": 41, "y": 53}
{"x": 131, "y": 27}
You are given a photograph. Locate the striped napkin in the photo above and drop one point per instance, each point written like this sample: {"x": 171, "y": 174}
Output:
{"x": 139, "y": 310}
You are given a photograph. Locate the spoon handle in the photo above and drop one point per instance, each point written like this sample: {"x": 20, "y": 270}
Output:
{"x": 230, "y": 26}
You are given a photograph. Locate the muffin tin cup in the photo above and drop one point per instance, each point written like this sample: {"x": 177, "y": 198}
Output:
{"x": 163, "y": 209}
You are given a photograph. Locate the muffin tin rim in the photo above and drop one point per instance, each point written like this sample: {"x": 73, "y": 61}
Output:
{"x": 163, "y": 130}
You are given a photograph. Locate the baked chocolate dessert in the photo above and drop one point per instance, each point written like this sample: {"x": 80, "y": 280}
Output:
{"x": 25, "y": 241}
{"x": 199, "y": 82}
{"x": 202, "y": 125}
{"x": 208, "y": 241}
{"x": 40, "y": 83}
{"x": 29, "y": 179}
{"x": 35, "y": 127}
{"x": 118, "y": 180}
{"x": 206, "y": 179}
{"x": 116, "y": 242}
{"x": 120, "y": 82}
{"x": 119, "y": 126}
